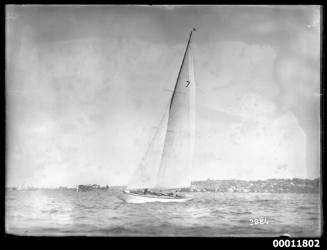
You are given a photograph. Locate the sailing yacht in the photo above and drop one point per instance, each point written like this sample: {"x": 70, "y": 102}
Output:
{"x": 166, "y": 166}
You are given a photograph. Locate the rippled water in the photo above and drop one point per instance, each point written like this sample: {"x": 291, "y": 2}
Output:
{"x": 103, "y": 213}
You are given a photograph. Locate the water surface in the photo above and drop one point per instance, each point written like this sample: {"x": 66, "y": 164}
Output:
{"x": 103, "y": 213}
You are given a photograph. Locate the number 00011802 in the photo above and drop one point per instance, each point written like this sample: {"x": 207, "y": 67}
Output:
{"x": 296, "y": 243}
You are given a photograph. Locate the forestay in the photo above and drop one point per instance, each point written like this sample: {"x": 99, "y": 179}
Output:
{"x": 176, "y": 161}
{"x": 168, "y": 162}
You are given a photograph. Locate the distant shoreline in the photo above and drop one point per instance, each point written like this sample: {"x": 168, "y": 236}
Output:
{"x": 294, "y": 185}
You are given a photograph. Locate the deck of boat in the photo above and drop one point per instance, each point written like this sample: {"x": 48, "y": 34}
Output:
{"x": 131, "y": 197}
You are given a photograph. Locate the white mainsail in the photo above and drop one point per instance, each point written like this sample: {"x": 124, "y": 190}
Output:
{"x": 168, "y": 161}
{"x": 176, "y": 161}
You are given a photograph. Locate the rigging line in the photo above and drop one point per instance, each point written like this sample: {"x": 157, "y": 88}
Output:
{"x": 171, "y": 100}
{"x": 180, "y": 69}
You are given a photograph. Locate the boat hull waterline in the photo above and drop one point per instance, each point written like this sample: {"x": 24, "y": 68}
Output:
{"x": 139, "y": 198}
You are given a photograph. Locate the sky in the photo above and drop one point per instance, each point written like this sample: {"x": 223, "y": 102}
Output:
{"x": 87, "y": 85}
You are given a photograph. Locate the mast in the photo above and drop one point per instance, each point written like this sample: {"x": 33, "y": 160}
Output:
{"x": 166, "y": 162}
{"x": 180, "y": 69}
{"x": 176, "y": 157}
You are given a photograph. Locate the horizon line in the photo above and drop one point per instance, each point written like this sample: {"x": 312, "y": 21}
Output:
{"x": 122, "y": 185}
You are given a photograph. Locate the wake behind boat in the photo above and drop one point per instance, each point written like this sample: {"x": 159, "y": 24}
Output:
{"x": 167, "y": 163}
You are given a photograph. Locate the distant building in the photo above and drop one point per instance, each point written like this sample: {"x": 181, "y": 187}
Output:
{"x": 84, "y": 188}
